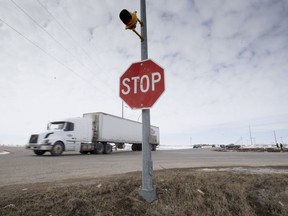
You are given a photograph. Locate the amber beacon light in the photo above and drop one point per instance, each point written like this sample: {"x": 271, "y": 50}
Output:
{"x": 130, "y": 20}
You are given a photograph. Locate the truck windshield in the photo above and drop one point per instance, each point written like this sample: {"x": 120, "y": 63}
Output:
{"x": 56, "y": 125}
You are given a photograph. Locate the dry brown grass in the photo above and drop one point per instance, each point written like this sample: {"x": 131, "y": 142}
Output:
{"x": 179, "y": 192}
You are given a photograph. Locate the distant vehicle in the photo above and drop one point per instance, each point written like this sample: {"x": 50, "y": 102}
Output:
{"x": 197, "y": 146}
{"x": 95, "y": 133}
{"x": 233, "y": 146}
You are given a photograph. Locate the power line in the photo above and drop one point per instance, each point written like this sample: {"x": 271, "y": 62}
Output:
{"x": 66, "y": 31}
{"x": 32, "y": 42}
{"x": 20, "y": 8}
{"x": 70, "y": 35}
{"x": 59, "y": 43}
{"x": 48, "y": 54}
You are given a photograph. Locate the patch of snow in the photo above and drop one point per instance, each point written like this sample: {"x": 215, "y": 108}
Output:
{"x": 161, "y": 147}
{"x": 4, "y": 152}
{"x": 251, "y": 170}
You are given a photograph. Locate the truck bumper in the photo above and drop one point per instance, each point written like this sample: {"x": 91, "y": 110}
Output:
{"x": 39, "y": 147}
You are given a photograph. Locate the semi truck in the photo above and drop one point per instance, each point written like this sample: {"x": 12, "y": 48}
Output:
{"x": 94, "y": 133}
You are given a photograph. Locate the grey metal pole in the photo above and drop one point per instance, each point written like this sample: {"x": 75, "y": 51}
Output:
{"x": 122, "y": 109}
{"x": 275, "y": 137}
{"x": 147, "y": 190}
{"x": 250, "y": 135}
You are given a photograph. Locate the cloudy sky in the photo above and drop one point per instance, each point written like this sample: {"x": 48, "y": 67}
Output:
{"x": 226, "y": 66}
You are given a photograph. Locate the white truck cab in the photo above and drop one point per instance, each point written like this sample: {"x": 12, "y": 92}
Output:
{"x": 66, "y": 135}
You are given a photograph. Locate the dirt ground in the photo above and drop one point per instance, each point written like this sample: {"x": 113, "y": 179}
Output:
{"x": 179, "y": 192}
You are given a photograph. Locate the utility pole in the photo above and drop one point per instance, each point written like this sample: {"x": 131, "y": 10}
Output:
{"x": 275, "y": 137}
{"x": 250, "y": 135}
{"x": 122, "y": 109}
{"x": 147, "y": 190}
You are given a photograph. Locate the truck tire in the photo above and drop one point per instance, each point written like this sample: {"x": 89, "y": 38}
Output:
{"x": 39, "y": 152}
{"x": 57, "y": 149}
{"x": 139, "y": 147}
{"x": 153, "y": 147}
{"x": 134, "y": 147}
{"x": 99, "y": 148}
{"x": 107, "y": 149}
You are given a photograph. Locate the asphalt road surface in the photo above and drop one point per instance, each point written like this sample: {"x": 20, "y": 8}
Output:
{"x": 22, "y": 166}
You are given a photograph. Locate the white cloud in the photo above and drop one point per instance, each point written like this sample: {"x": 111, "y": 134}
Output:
{"x": 225, "y": 65}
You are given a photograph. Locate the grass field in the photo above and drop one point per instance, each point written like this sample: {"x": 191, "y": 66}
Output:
{"x": 179, "y": 192}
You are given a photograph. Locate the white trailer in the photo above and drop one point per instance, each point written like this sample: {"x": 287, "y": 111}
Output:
{"x": 94, "y": 133}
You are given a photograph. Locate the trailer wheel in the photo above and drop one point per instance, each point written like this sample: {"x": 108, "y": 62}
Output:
{"x": 139, "y": 147}
{"x": 134, "y": 147}
{"x": 57, "y": 149}
{"x": 107, "y": 149}
{"x": 153, "y": 147}
{"x": 99, "y": 148}
{"x": 39, "y": 152}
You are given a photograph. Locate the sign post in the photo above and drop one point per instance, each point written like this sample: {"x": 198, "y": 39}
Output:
{"x": 140, "y": 86}
{"x": 147, "y": 190}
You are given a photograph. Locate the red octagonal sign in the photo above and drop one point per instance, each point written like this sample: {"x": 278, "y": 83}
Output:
{"x": 142, "y": 84}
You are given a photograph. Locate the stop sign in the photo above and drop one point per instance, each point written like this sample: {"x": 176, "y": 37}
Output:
{"x": 142, "y": 84}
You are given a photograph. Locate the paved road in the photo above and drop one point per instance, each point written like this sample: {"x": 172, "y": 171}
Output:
{"x": 22, "y": 166}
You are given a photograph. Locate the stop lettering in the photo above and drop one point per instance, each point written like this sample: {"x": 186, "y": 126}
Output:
{"x": 142, "y": 84}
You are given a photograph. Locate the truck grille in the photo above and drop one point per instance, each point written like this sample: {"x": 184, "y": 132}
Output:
{"x": 33, "y": 138}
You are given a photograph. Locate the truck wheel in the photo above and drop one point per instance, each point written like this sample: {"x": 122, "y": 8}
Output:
{"x": 153, "y": 147}
{"x": 99, "y": 148}
{"x": 57, "y": 149}
{"x": 134, "y": 147}
{"x": 39, "y": 152}
{"x": 139, "y": 147}
{"x": 107, "y": 149}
